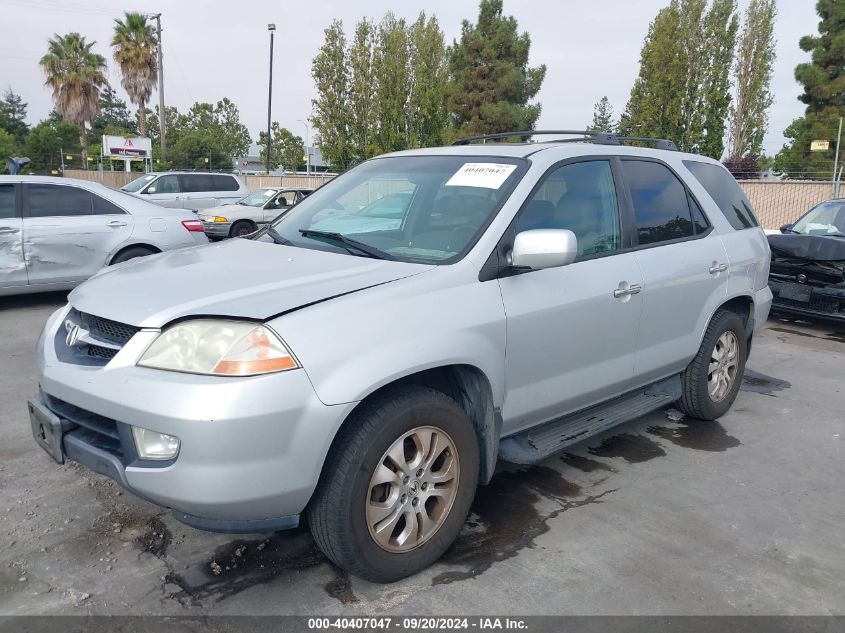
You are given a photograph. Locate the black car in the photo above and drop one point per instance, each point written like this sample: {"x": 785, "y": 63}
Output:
{"x": 807, "y": 276}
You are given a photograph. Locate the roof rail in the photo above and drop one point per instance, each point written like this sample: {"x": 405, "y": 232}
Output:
{"x": 590, "y": 136}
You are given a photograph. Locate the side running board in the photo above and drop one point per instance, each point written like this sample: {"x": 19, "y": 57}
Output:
{"x": 534, "y": 445}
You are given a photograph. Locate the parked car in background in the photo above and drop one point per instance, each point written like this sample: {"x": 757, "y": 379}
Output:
{"x": 807, "y": 275}
{"x": 57, "y": 232}
{"x": 248, "y": 214}
{"x": 531, "y": 295}
{"x": 187, "y": 190}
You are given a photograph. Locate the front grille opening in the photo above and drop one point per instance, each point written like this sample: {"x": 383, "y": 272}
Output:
{"x": 101, "y": 352}
{"x": 107, "y": 329}
{"x": 827, "y": 306}
{"x": 94, "y": 429}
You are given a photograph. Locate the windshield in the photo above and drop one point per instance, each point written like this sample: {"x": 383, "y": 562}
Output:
{"x": 826, "y": 219}
{"x": 259, "y": 198}
{"x": 410, "y": 208}
{"x": 138, "y": 184}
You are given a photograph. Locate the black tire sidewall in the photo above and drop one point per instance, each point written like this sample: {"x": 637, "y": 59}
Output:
{"x": 426, "y": 409}
{"x": 131, "y": 253}
{"x": 234, "y": 232}
{"x": 726, "y": 321}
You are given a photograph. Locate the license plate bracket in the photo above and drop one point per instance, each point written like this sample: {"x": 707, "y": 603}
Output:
{"x": 47, "y": 429}
{"x": 796, "y": 292}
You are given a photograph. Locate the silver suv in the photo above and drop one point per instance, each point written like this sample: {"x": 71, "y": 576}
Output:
{"x": 370, "y": 376}
{"x": 187, "y": 190}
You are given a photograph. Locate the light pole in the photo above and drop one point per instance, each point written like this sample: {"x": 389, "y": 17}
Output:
{"x": 307, "y": 148}
{"x": 271, "y": 28}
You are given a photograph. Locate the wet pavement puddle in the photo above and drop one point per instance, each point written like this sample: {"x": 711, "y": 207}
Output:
{"x": 756, "y": 382}
{"x": 634, "y": 449}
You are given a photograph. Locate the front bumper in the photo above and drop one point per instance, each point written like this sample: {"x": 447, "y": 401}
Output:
{"x": 217, "y": 229}
{"x": 251, "y": 448}
{"x": 824, "y": 303}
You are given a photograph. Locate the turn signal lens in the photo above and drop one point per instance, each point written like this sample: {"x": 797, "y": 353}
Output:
{"x": 219, "y": 218}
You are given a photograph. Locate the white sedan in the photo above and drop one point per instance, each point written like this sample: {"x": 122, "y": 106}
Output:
{"x": 57, "y": 232}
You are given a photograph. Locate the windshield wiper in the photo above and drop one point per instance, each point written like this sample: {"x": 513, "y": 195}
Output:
{"x": 276, "y": 237}
{"x": 366, "y": 249}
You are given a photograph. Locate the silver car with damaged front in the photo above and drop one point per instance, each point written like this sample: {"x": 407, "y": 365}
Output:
{"x": 371, "y": 375}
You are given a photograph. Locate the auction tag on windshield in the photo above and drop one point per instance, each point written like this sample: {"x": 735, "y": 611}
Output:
{"x": 488, "y": 175}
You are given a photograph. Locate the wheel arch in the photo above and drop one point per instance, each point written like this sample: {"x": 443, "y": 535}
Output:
{"x": 741, "y": 305}
{"x": 150, "y": 247}
{"x": 470, "y": 388}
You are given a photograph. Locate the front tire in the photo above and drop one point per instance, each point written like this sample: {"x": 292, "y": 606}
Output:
{"x": 242, "y": 228}
{"x": 712, "y": 380}
{"x": 397, "y": 485}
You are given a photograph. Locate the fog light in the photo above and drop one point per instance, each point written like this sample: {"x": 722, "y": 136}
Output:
{"x": 153, "y": 445}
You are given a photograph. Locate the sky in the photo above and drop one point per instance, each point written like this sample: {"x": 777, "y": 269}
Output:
{"x": 215, "y": 49}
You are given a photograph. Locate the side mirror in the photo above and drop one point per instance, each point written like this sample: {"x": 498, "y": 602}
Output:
{"x": 149, "y": 190}
{"x": 544, "y": 248}
{"x": 786, "y": 228}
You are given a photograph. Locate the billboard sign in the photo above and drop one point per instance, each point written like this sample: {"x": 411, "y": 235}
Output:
{"x": 819, "y": 146}
{"x": 127, "y": 148}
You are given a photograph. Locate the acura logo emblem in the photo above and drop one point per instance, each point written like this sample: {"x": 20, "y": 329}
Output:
{"x": 73, "y": 333}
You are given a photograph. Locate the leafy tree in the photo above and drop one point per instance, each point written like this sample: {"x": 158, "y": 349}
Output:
{"x": 490, "y": 83}
{"x": 223, "y": 123}
{"x": 135, "y": 51}
{"x": 13, "y": 115}
{"x": 602, "y": 116}
{"x": 198, "y": 149}
{"x": 746, "y": 167}
{"x": 392, "y": 68}
{"x": 47, "y": 141}
{"x": 361, "y": 91}
{"x": 427, "y": 116}
{"x": 752, "y": 76}
{"x": 114, "y": 118}
{"x": 287, "y": 149}
{"x": 76, "y": 75}
{"x": 682, "y": 90}
{"x": 331, "y": 107}
{"x": 824, "y": 93}
{"x": 8, "y": 147}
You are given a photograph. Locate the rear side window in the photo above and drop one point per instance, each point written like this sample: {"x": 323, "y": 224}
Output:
{"x": 224, "y": 183}
{"x": 104, "y": 207}
{"x": 7, "y": 201}
{"x": 727, "y": 195}
{"x": 194, "y": 183}
{"x": 661, "y": 205}
{"x": 58, "y": 200}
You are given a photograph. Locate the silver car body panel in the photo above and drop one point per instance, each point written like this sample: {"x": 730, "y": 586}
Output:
{"x": 548, "y": 342}
{"x": 62, "y": 251}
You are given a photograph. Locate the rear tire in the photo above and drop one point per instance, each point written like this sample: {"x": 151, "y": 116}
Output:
{"x": 383, "y": 520}
{"x": 712, "y": 380}
{"x": 131, "y": 253}
{"x": 241, "y": 228}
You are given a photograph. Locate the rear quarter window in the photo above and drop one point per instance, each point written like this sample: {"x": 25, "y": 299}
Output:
{"x": 225, "y": 183}
{"x": 727, "y": 195}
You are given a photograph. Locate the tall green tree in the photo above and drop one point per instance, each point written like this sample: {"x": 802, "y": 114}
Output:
{"x": 331, "y": 108}
{"x": 752, "y": 76}
{"x": 135, "y": 51}
{"x": 490, "y": 84}
{"x": 48, "y": 141}
{"x": 427, "y": 116}
{"x": 682, "y": 92}
{"x": 602, "y": 116}
{"x": 13, "y": 115}
{"x": 76, "y": 75}
{"x": 8, "y": 147}
{"x": 114, "y": 117}
{"x": 391, "y": 65}
{"x": 287, "y": 149}
{"x": 823, "y": 79}
{"x": 361, "y": 92}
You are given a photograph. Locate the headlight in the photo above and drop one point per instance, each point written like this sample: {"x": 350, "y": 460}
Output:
{"x": 219, "y": 218}
{"x": 223, "y": 348}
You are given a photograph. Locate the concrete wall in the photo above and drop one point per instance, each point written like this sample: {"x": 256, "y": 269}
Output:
{"x": 775, "y": 202}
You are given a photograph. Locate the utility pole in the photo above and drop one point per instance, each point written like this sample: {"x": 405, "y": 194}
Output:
{"x": 836, "y": 162}
{"x": 161, "y": 117}
{"x": 271, "y": 28}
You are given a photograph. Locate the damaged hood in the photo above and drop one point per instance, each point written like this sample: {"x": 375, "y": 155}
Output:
{"x": 809, "y": 247}
{"x": 236, "y": 278}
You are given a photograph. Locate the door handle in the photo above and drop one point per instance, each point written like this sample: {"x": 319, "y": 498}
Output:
{"x": 624, "y": 292}
{"x": 115, "y": 224}
{"x": 717, "y": 268}
{"x": 7, "y": 230}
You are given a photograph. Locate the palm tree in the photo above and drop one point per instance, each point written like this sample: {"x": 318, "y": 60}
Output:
{"x": 76, "y": 75}
{"x": 135, "y": 50}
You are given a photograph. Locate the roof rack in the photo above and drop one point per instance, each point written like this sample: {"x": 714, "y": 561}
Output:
{"x": 590, "y": 136}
